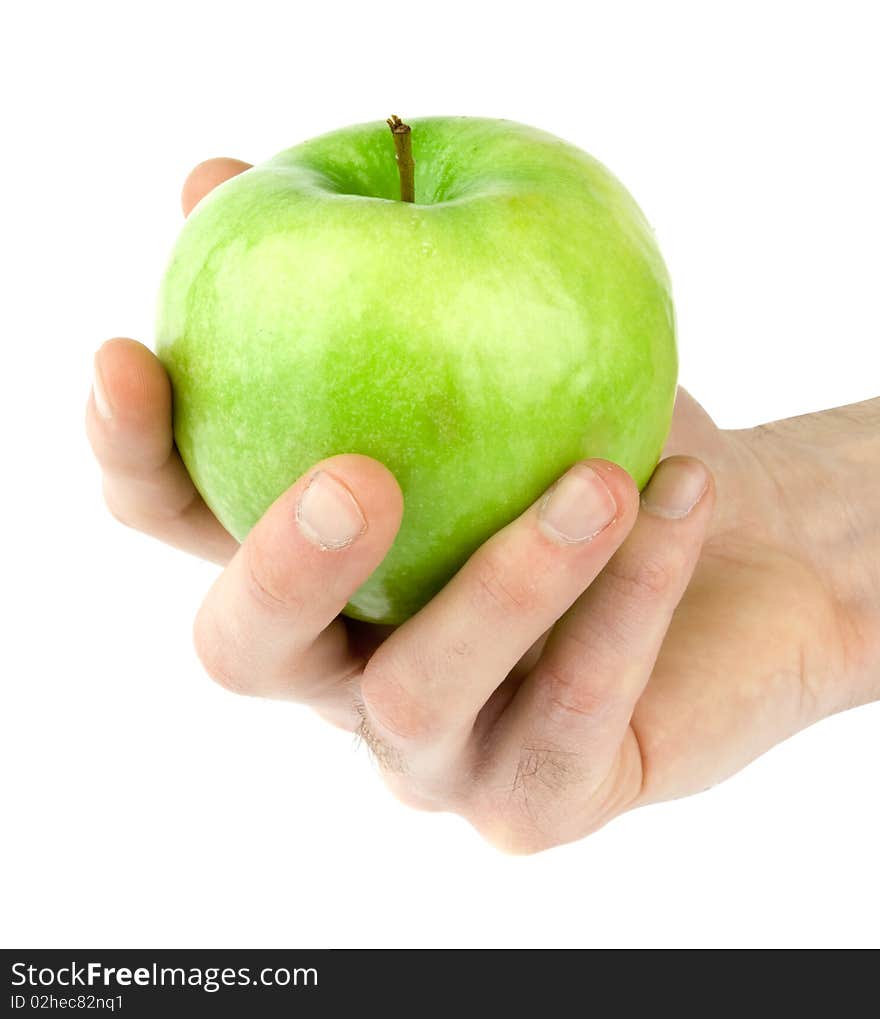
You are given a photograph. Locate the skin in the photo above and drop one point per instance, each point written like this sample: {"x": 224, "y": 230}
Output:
{"x": 551, "y": 685}
{"x": 305, "y": 311}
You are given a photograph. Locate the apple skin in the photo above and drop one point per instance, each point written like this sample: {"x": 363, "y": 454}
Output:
{"x": 513, "y": 320}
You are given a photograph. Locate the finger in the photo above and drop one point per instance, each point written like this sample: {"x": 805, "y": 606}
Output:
{"x": 205, "y": 177}
{"x": 425, "y": 686}
{"x": 575, "y": 707}
{"x": 265, "y": 626}
{"x": 146, "y": 486}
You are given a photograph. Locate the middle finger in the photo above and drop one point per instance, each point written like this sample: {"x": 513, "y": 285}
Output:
{"x": 426, "y": 684}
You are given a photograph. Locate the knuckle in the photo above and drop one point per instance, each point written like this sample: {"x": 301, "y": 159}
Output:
{"x": 528, "y": 845}
{"x": 496, "y": 588}
{"x": 515, "y": 836}
{"x": 649, "y": 577}
{"x": 521, "y": 827}
{"x": 118, "y": 515}
{"x": 269, "y": 582}
{"x": 511, "y": 821}
{"x": 569, "y": 691}
{"x": 115, "y": 509}
{"x": 131, "y": 506}
{"x": 213, "y": 652}
{"x": 411, "y": 795}
{"x": 389, "y": 700}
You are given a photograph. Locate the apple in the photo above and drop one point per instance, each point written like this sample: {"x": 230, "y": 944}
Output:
{"x": 514, "y": 318}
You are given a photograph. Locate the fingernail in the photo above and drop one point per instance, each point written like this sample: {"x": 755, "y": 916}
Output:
{"x": 102, "y": 404}
{"x": 577, "y": 507}
{"x": 328, "y": 514}
{"x": 676, "y": 487}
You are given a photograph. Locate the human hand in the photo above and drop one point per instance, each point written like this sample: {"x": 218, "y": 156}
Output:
{"x": 646, "y": 687}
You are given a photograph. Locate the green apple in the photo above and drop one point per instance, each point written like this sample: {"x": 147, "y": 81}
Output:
{"x": 513, "y": 319}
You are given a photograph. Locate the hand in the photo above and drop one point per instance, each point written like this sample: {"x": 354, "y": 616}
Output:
{"x": 597, "y": 654}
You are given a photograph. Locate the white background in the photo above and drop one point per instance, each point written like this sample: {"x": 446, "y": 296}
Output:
{"x": 144, "y": 806}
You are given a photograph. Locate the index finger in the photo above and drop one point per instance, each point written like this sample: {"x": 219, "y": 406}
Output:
{"x": 208, "y": 175}
{"x": 268, "y": 626}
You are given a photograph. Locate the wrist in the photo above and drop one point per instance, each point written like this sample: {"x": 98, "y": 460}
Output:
{"x": 820, "y": 486}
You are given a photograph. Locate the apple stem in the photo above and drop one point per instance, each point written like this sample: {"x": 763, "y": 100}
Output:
{"x": 401, "y": 133}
